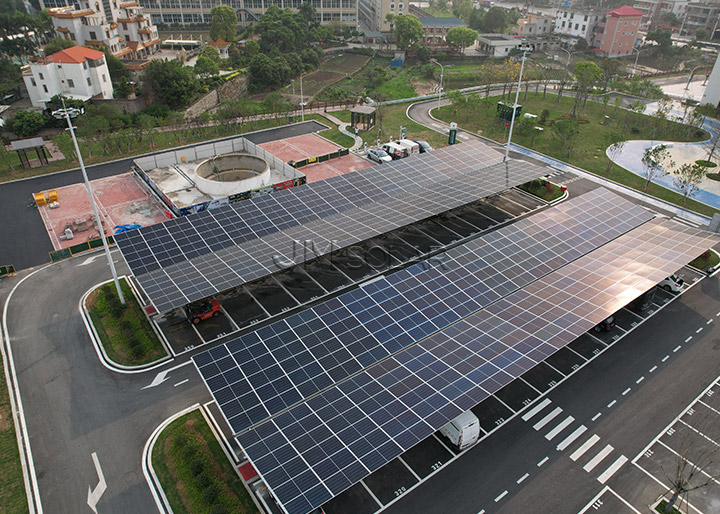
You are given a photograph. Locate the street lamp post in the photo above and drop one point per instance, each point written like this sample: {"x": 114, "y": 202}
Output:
{"x": 302, "y": 98}
{"x": 692, "y": 74}
{"x": 569, "y": 54}
{"x": 636, "y": 59}
{"x": 442, "y": 72}
{"x": 517, "y": 97}
{"x": 65, "y": 113}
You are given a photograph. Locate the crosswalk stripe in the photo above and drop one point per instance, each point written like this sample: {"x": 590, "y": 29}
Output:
{"x": 562, "y": 426}
{"x": 569, "y": 439}
{"x": 547, "y": 419}
{"x": 585, "y": 447}
{"x": 612, "y": 469}
{"x": 598, "y": 458}
{"x": 540, "y": 406}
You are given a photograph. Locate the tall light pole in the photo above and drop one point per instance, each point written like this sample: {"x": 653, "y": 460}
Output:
{"x": 636, "y": 59}
{"x": 692, "y": 74}
{"x": 442, "y": 72}
{"x": 517, "y": 97}
{"x": 302, "y": 98}
{"x": 569, "y": 54}
{"x": 65, "y": 113}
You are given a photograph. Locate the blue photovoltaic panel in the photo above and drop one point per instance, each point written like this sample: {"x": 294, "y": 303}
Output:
{"x": 324, "y": 345}
{"x": 321, "y": 447}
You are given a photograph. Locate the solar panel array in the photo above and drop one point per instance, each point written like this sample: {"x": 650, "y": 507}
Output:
{"x": 184, "y": 260}
{"x": 319, "y": 448}
{"x": 267, "y": 371}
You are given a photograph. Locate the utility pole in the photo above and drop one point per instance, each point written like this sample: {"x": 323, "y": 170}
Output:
{"x": 517, "y": 97}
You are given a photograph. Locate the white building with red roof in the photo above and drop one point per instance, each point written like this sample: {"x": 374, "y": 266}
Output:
{"x": 76, "y": 72}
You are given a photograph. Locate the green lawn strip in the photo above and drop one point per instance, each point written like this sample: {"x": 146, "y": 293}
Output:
{"x": 195, "y": 473}
{"x": 335, "y": 135}
{"x": 12, "y": 486}
{"x": 660, "y": 507}
{"x": 707, "y": 260}
{"x": 542, "y": 189}
{"x": 110, "y": 328}
{"x": 589, "y": 150}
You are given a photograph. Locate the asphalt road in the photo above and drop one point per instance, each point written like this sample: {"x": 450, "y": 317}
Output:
{"x": 559, "y": 484}
{"x": 25, "y": 242}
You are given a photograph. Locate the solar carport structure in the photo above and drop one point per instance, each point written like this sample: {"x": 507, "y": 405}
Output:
{"x": 325, "y": 397}
{"x": 188, "y": 259}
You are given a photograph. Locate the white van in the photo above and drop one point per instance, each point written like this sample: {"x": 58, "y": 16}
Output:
{"x": 463, "y": 431}
{"x": 411, "y": 146}
{"x": 395, "y": 151}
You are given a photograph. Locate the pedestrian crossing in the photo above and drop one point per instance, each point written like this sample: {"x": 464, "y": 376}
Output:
{"x": 594, "y": 456}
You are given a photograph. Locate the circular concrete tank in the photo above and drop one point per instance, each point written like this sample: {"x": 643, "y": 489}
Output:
{"x": 231, "y": 173}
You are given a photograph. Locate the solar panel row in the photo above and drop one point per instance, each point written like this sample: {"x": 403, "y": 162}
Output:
{"x": 212, "y": 273}
{"x": 267, "y": 371}
{"x": 321, "y": 447}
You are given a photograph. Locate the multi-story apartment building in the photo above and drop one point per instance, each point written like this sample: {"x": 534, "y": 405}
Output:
{"x": 76, "y": 72}
{"x": 372, "y": 13}
{"x": 616, "y": 33}
{"x": 574, "y": 24}
{"x": 120, "y": 26}
{"x": 535, "y": 24}
{"x": 342, "y": 12}
{"x": 435, "y": 29}
{"x": 652, "y": 10}
{"x": 703, "y": 15}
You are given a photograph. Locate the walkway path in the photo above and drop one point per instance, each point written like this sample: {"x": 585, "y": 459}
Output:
{"x": 342, "y": 127}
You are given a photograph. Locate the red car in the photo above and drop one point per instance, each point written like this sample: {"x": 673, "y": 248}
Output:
{"x": 199, "y": 311}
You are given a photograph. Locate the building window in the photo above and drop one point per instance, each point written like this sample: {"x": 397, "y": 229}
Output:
{"x": 400, "y": 6}
{"x": 45, "y": 88}
{"x": 124, "y": 26}
{"x": 32, "y": 81}
{"x": 392, "y": 7}
{"x": 563, "y": 25}
{"x": 93, "y": 36}
{"x": 84, "y": 65}
{"x": 71, "y": 83}
{"x": 104, "y": 78}
{"x": 585, "y": 18}
{"x": 626, "y": 24}
{"x": 584, "y": 27}
{"x": 88, "y": 81}
{"x": 576, "y": 26}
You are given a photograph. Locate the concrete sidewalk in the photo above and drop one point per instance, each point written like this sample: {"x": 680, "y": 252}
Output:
{"x": 342, "y": 126}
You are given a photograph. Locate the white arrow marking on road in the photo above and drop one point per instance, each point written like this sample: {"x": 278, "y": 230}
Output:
{"x": 88, "y": 260}
{"x": 94, "y": 496}
{"x": 163, "y": 375}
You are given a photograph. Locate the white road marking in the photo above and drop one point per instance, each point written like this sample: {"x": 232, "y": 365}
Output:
{"x": 709, "y": 321}
{"x": 94, "y": 495}
{"x": 653, "y": 369}
{"x": 598, "y": 458}
{"x": 614, "y": 467}
{"x": 540, "y": 406}
{"x": 502, "y": 495}
{"x": 665, "y": 358}
{"x": 182, "y": 382}
{"x": 522, "y": 478}
{"x": 626, "y": 391}
{"x": 547, "y": 419}
{"x": 89, "y": 260}
{"x": 543, "y": 461}
{"x": 688, "y": 339}
{"x": 162, "y": 376}
{"x": 609, "y": 406}
{"x": 640, "y": 380}
{"x": 718, "y": 314}
{"x": 585, "y": 447}
{"x": 677, "y": 348}
{"x": 596, "y": 416}
{"x": 699, "y": 330}
{"x": 569, "y": 439}
{"x": 562, "y": 426}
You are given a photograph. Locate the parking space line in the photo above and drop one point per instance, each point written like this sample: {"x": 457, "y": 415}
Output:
{"x": 592, "y": 502}
{"x": 596, "y": 416}
{"x": 502, "y": 495}
{"x": 692, "y": 465}
{"x": 665, "y": 358}
{"x": 610, "y": 405}
{"x": 640, "y": 379}
{"x": 543, "y": 461}
{"x": 711, "y": 440}
{"x": 522, "y": 478}
{"x": 562, "y": 426}
{"x": 699, "y": 330}
{"x": 547, "y": 419}
{"x": 718, "y": 314}
{"x": 585, "y": 447}
{"x": 569, "y": 439}
{"x": 653, "y": 369}
{"x": 614, "y": 467}
{"x": 677, "y": 348}
{"x": 709, "y": 321}
{"x": 709, "y": 407}
{"x": 540, "y": 406}
{"x": 380, "y": 504}
{"x": 442, "y": 443}
{"x": 409, "y": 468}
{"x": 598, "y": 458}
{"x": 688, "y": 339}
{"x": 626, "y": 391}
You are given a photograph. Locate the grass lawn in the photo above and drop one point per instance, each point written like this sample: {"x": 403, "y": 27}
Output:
{"x": 12, "y": 487}
{"x": 706, "y": 260}
{"x": 588, "y": 152}
{"x": 334, "y": 133}
{"x": 661, "y": 508}
{"x": 542, "y": 189}
{"x": 194, "y": 471}
{"x": 128, "y": 339}
{"x": 393, "y": 117}
{"x": 345, "y": 63}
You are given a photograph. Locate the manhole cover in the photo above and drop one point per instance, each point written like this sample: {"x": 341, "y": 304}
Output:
{"x": 130, "y": 476}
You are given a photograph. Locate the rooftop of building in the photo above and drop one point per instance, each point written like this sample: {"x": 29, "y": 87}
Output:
{"x": 442, "y": 22}
{"x": 625, "y": 10}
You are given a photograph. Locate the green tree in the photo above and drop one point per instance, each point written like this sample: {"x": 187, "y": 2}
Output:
{"x": 423, "y": 53}
{"x": 211, "y": 53}
{"x": 464, "y": 10}
{"x": 662, "y": 37}
{"x": 117, "y": 69}
{"x": 566, "y": 133}
{"x": 14, "y": 21}
{"x": 252, "y": 48}
{"x": 206, "y": 67}
{"x": 262, "y": 71}
{"x": 701, "y": 34}
{"x": 670, "y": 19}
{"x": 495, "y": 20}
{"x": 476, "y": 19}
{"x": 581, "y": 45}
{"x": 10, "y": 77}
{"x": 27, "y": 123}
{"x": 653, "y": 160}
{"x": 308, "y": 13}
{"x": 461, "y": 37}
{"x": 171, "y": 83}
{"x": 310, "y": 58}
{"x": 615, "y": 142}
{"x": 283, "y": 30}
{"x": 408, "y": 31}
{"x": 57, "y": 44}
{"x": 687, "y": 178}
{"x": 224, "y": 23}
{"x": 587, "y": 74}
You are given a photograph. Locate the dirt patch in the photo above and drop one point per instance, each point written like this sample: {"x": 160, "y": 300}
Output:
{"x": 325, "y": 76}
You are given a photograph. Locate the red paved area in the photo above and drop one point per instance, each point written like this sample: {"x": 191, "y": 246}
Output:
{"x": 120, "y": 199}
{"x": 311, "y": 145}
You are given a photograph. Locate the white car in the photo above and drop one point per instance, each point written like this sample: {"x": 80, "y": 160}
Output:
{"x": 672, "y": 284}
{"x": 378, "y": 155}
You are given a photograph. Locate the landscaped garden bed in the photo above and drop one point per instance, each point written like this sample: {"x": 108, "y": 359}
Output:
{"x": 542, "y": 189}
